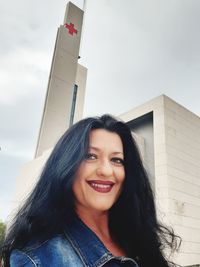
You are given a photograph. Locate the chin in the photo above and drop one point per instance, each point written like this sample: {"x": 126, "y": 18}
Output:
{"x": 102, "y": 207}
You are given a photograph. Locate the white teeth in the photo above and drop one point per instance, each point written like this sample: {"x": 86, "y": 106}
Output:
{"x": 100, "y": 185}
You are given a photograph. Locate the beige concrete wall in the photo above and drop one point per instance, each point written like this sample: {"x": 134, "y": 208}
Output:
{"x": 26, "y": 180}
{"x": 177, "y": 171}
{"x": 81, "y": 77}
{"x": 182, "y": 135}
{"x": 156, "y": 106}
{"x": 58, "y": 104}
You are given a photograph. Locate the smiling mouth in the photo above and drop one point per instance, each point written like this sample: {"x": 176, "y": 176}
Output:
{"x": 101, "y": 186}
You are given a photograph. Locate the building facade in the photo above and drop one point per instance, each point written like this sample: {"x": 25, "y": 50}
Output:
{"x": 67, "y": 80}
{"x": 64, "y": 98}
{"x": 171, "y": 150}
{"x": 167, "y": 135}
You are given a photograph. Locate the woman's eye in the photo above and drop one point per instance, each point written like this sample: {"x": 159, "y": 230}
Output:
{"x": 90, "y": 156}
{"x": 118, "y": 161}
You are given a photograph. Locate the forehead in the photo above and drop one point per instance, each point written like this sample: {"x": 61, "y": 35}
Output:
{"x": 103, "y": 139}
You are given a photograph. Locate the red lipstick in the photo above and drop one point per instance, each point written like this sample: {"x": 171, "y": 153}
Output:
{"x": 101, "y": 186}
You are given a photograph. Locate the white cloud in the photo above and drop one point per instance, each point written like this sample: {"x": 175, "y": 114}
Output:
{"x": 21, "y": 74}
{"x": 138, "y": 50}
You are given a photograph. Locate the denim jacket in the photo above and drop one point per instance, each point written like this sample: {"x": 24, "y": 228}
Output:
{"x": 77, "y": 247}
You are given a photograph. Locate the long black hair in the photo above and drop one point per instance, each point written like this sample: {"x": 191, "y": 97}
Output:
{"x": 132, "y": 219}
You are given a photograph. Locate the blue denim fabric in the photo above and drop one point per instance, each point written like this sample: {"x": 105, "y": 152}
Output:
{"x": 77, "y": 247}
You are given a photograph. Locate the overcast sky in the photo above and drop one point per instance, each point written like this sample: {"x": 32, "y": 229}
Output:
{"x": 134, "y": 50}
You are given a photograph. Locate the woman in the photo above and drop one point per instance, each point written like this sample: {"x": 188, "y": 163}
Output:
{"x": 92, "y": 206}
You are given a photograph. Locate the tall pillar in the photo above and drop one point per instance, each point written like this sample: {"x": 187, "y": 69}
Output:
{"x": 63, "y": 92}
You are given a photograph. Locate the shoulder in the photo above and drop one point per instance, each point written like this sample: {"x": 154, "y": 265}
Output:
{"x": 19, "y": 258}
{"x": 56, "y": 251}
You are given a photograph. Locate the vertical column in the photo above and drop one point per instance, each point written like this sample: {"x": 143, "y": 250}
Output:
{"x": 59, "y": 98}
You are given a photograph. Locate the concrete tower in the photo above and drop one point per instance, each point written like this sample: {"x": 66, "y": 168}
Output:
{"x": 66, "y": 86}
{"x": 64, "y": 98}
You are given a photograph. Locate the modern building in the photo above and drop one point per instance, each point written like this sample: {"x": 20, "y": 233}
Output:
{"x": 167, "y": 135}
{"x": 171, "y": 150}
{"x": 64, "y": 98}
{"x": 67, "y": 80}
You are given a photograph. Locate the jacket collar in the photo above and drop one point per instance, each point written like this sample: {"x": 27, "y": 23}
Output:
{"x": 88, "y": 246}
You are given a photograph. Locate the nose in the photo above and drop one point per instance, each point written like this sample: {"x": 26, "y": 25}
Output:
{"x": 105, "y": 169}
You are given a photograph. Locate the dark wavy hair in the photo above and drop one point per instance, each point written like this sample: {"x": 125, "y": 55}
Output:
{"x": 132, "y": 219}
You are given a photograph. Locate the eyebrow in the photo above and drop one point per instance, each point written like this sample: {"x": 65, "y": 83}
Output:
{"x": 98, "y": 149}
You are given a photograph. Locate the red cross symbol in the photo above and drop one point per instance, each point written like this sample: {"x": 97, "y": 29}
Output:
{"x": 71, "y": 28}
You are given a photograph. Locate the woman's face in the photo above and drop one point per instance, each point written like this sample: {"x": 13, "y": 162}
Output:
{"x": 99, "y": 179}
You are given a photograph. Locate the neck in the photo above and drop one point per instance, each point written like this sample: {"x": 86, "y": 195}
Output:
{"x": 96, "y": 221}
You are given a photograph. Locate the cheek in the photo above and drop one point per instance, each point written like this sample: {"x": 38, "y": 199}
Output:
{"x": 78, "y": 179}
{"x": 79, "y": 184}
{"x": 76, "y": 187}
